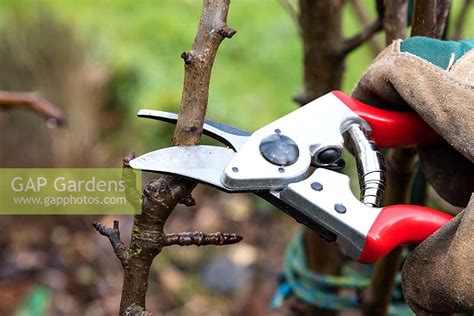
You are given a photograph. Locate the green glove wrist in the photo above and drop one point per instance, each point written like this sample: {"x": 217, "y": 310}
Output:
{"x": 438, "y": 52}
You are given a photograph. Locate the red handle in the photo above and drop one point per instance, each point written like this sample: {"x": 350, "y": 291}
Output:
{"x": 391, "y": 129}
{"x": 400, "y": 224}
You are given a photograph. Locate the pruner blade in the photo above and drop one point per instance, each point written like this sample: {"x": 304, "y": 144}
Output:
{"x": 205, "y": 164}
{"x": 202, "y": 163}
{"x": 228, "y": 135}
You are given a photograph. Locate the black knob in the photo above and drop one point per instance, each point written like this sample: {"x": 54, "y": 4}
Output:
{"x": 329, "y": 155}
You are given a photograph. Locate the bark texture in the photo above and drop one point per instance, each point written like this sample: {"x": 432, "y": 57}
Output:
{"x": 320, "y": 24}
{"x": 198, "y": 65}
{"x": 424, "y": 18}
{"x": 395, "y": 20}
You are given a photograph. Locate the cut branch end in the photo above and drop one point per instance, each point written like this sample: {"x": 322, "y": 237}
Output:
{"x": 187, "y": 57}
{"x": 227, "y": 32}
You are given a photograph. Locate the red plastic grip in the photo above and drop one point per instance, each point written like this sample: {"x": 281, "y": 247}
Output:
{"x": 400, "y": 224}
{"x": 391, "y": 129}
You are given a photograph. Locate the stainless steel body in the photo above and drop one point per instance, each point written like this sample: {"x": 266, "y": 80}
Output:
{"x": 332, "y": 202}
{"x": 316, "y": 126}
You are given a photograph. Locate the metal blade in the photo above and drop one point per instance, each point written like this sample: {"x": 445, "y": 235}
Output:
{"x": 206, "y": 164}
{"x": 201, "y": 163}
{"x": 228, "y": 135}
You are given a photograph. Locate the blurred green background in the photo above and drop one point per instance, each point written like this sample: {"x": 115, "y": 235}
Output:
{"x": 254, "y": 76}
{"x": 255, "y": 73}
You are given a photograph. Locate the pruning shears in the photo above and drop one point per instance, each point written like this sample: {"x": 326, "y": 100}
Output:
{"x": 277, "y": 161}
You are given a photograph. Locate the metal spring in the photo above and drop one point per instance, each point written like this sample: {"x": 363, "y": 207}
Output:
{"x": 370, "y": 167}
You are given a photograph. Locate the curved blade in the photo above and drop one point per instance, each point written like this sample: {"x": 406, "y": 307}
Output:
{"x": 228, "y": 135}
{"x": 201, "y": 163}
{"x": 206, "y": 164}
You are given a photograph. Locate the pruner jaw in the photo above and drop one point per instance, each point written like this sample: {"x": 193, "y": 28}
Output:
{"x": 200, "y": 163}
{"x": 227, "y": 135}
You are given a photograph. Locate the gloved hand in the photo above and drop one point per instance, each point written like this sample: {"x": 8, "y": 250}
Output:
{"x": 436, "y": 79}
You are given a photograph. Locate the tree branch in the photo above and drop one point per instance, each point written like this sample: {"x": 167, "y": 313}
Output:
{"x": 348, "y": 45}
{"x": 113, "y": 234}
{"x": 424, "y": 18}
{"x": 34, "y": 102}
{"x": 320, "y": 24}
{"x": 323, "y": 66}
{"x": 200, "y": 239}
{"x": 395, "y": 20}
{"x": 160, "y": 196}
{"x": 198, "y": 65}
{"x": 367, "y": 32}
{"x": 442, "y": 12}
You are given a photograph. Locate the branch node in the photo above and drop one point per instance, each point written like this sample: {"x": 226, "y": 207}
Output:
{"x": 187, "y": 57}
{"x": 136, "y": 310}
{"x": 127, "y": 159}
{"x": 226, "y": 32}
{"x": 113, "y": 234}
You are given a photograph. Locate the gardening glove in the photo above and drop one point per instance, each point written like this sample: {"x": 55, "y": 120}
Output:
{"x": 436, "y": 79}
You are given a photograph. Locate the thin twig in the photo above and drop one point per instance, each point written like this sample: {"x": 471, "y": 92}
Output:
{"x": 366, "y": 33}
{"x": 113, "y": 234}
{"x": 442, "y": 12}
{"x": 200, "y": 239}
{"x": 399, "y": 173}
{"x": 34, "y": 102}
